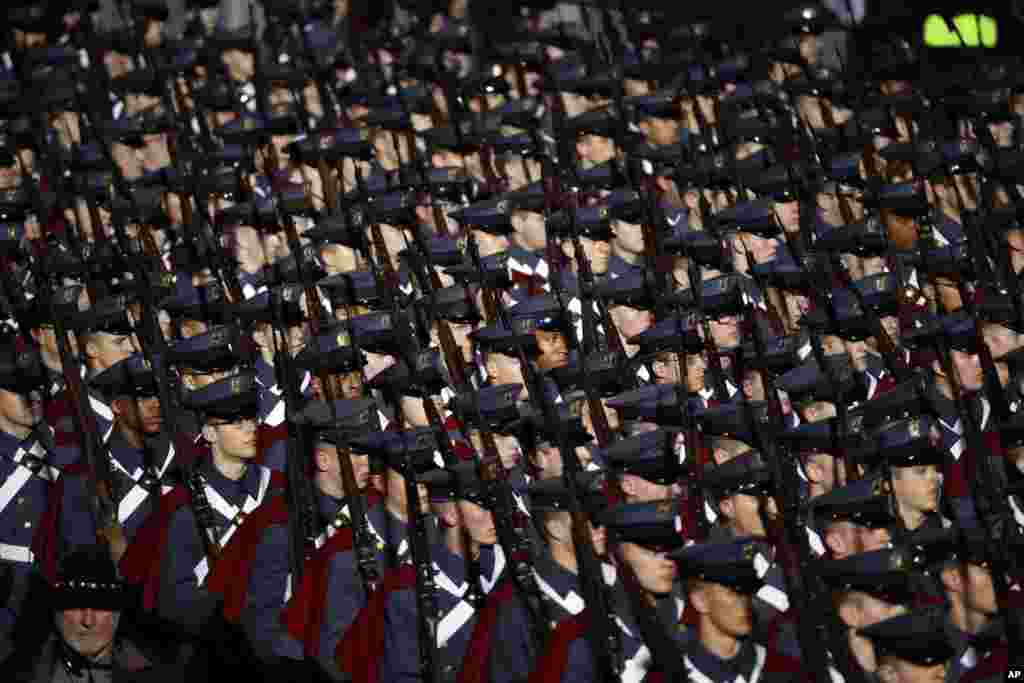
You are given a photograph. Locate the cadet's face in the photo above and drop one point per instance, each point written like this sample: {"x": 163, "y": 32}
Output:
{"x": 594, "y": 149}
{"x": 968, "y": 370}
{"x": 89, "y": 632}
{"x": 142, "y": 414}
{"x": 917, "y": 488}
{"x": 521, "y": 171}
{"x": 788, "y": 214}
{"x": 548, "y": 461}
{"x": 892, "y": 327}
{"x": 1000, "y": 340}
{"x": 629, "y": 237}
{"x": 828, "y": 203}
{"x": 461, "y": 332}
{"x": 508, "y": 450}
{"x": 10, "y": 174}
{"x": 661, "y": 132}
{"x": 479, "y": 522}
{"x": 746, "y": 517}
{"x": 725, "y": 331}
{"x": 240, "y": 64}
{"x": 105, "y": 349}
{"x": 329, "y": 463}
{"x": 597, "y": 252}
{"x": 554, "y": 352}
{"x": 730, "y": 610}
{"x": 842, "y": 539}
{"x": 237, "y": 439}
{"x": 504, "y": 369}
{"x": 980, "y": 590}
{"x": 529, "y": 228}
{"x": 858, "y": 351}
{"x": 753, "y": 386}
{"x": 655, "y": 572}
{"x": 18, "y": 412}
{"x": 696, "y": 370}
{"x": 396, "y": 493}
{"x": 249, "y": 249}
{"x": 666, "y": 369}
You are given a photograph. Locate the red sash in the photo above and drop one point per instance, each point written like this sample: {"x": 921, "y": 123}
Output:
{"x": 304, "y": 613}
{"x": 552, "y": 664}
{"x": 141, "y": 563}
{"x": 358, "y": 653}
{"x": 474, "y": 664}
{"x": 46, "y": 541}
{"x": 230, "y": 575}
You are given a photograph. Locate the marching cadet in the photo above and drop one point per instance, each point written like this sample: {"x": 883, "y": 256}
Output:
{"x": 467, "y": 564}
{"x": 341, "y": 612}
{"x": 646, "y": 467}
{"x": 26, "y": 473}
{"x": 720, "y": 582}
{"x": 254, "y": 573}
{"x": 870, "y": 587}
{"x": 175, "y": 550}
{"x": 906, "y": 448}
{"x": 130, "y": 388}
{"x": 544, "y": 319}
{"x": 519, "y": 625}
{"x": 912, "y": 648}
{"x": 854, "y": 518}
{"x": 105, "y": 336}
{"x": 957, "y": 556}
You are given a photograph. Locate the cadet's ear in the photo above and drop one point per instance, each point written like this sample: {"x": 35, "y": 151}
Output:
{"x": 835, "y": 543}
{"x": 210, "y": 434}
{"x": 491, "y": 366}
{"x": 448, "y": 513}
{"x": 699, "y": 600}
{"x": 727, "y": 507}
{"x": 323, "y": 460}
{"x": 952, "y": 579}
{"x": 813, "y": 470}
{"x": 628, "y": 484}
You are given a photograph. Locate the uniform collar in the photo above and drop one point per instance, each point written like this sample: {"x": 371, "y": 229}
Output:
{"x": 718, "y": 669}
{"x": 234, "y": 491}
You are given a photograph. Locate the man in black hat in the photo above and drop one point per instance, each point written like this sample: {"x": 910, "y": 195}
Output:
{"x": 88, "y": 599}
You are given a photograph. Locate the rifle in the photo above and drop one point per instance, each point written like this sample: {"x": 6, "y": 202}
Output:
{"x": 303, "y": 523}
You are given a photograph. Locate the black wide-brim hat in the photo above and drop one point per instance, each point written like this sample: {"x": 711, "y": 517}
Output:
{"x": 87, "y": 578}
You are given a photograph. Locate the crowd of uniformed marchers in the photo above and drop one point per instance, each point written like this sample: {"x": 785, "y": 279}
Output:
{"x": 542, "y": 343}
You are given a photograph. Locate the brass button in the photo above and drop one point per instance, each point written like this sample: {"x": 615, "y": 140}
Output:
{"x": 21, "y": 500}
{"x": 28, "y": 525}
